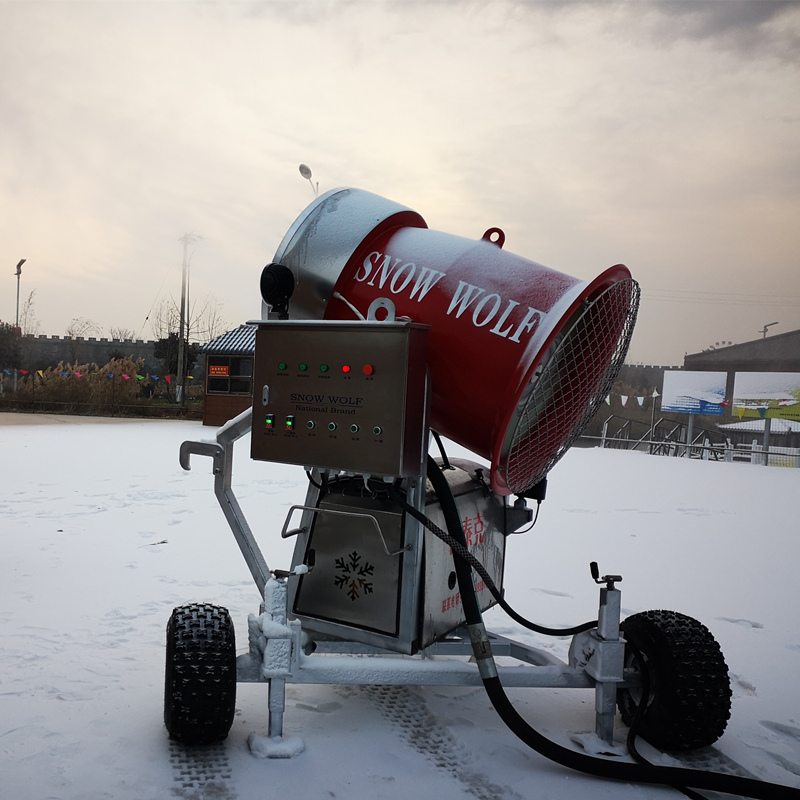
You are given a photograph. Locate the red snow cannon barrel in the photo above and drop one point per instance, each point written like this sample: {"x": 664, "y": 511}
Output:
{"x": 520, "y": 355}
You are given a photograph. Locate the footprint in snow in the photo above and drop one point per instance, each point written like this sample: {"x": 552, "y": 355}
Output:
{"x": 744, "y": 685}
{"x": 552, "y": 592}
{"x": 321, "y": 708}
{"x": 745, "y": 623}
{"x": 785, "y": 731}
{"x": 789, "y": 766}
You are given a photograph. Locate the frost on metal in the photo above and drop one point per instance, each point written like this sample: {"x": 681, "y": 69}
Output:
{"x": 270, "y": 636}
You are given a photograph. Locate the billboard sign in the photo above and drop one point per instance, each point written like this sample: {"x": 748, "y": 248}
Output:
{"x": 694, "y": 392}
{"x": 767, "y": 395}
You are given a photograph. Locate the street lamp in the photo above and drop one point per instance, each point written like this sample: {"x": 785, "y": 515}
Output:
{"x": 16, "y": 320}
{"x": 763, "y": 331}
{"x": 305, "y": 171}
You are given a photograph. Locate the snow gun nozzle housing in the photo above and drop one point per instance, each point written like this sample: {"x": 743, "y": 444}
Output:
{"x": 520, "y": 356}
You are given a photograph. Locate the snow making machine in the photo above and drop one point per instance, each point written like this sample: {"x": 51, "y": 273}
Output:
{"x": 378, "y": 338}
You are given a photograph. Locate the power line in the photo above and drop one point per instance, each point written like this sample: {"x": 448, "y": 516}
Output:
{"x": 158, "y": 294}
{"x": 721, "y": 298}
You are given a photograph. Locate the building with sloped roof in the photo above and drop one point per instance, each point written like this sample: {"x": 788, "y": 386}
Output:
{"x": 787, "y": 431}
{"x": 228, "y": 374}
{"x": 776, "y": 353}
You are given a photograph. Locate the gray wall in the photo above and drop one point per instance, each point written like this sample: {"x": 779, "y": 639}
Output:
{"x": 41, "y": 352}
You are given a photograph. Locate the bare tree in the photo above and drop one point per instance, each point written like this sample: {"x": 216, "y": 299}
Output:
{"x": 207, "y": 322}
{"x": 165, "y": 320}
{"x": 123, "y": 334}
{"x": 79, "y": 328}
{"x": 203, "y": 323}
{"x": 27, "y": 317}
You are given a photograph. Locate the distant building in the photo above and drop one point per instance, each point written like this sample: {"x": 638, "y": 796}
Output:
{"x": 228, "y": 371}
{"x": 742, "y": 433}
{"x": 778, "y": 353}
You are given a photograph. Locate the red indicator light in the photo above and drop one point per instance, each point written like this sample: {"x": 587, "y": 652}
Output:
{"x": 368, "y": 369}
{"x": 346, "y": 368}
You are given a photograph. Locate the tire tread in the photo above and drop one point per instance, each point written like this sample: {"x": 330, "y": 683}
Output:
{"x": 200, "y": 674}
{"x": 690, "y": 700}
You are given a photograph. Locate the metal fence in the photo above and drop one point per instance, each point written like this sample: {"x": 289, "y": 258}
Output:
{"x": 706, "y": 445}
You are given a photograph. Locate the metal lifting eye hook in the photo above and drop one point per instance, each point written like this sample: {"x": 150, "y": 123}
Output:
{"x": 608, "y": 580}
{"x": 495, "y": 236}
{"x": 381, "y": 303}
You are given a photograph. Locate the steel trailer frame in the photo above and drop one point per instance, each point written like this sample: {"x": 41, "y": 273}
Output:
{"x": 281, "y": 652}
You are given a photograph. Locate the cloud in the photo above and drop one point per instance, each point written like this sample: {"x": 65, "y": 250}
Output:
{"x": 593, "y": 133}
{"x": 764, "y": 28}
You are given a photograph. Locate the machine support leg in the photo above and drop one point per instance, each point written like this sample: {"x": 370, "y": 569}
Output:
{"x": 601, "y": 653}
{"x": 605, "y": 701}
{"x": 612, "y": 650}
{"x": 277, "y": 705}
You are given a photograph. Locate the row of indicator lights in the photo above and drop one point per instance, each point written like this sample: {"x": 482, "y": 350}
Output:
{"x": 269, "y": 424}
{"x": 367, "y": 369}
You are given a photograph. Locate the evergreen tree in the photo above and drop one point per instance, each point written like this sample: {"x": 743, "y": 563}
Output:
{"x": 167, "y": 351}
{"x": 10, "y": 351}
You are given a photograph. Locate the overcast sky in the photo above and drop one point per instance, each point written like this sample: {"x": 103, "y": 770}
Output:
{"x": 661, "y": 135}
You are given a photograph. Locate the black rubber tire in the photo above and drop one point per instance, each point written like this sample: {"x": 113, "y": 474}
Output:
{"x": 689, "y": 698}
{"x": 200, "y": 674}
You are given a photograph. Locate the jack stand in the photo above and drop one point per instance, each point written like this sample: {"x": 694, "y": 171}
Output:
{"x": 271, "y": 640}
{"x": 601, "y": 653}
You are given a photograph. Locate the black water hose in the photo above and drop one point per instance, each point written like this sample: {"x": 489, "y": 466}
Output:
{"x": 581, "y": 762}
{"x": 638, "y": 717}
{"x": 464, "y": 556}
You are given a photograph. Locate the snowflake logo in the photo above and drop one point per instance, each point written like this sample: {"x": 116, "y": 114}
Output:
{"x": 352, "y": 575}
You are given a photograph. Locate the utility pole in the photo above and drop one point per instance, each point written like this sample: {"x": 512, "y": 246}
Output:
{"x": 16, "y": 321}
{"x": 187, "y": 239}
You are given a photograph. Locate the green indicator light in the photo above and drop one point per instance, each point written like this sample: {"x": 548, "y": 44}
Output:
{"x": 310, "y": 424}
{"x": 289, "y": 423}
{"x": 303, "y": 367}
{"x": 377, "y": 430}
{"x": 332, "y": 426}
{"x": 354, "y": 428}
{"x": 323, "y": 368}
{"x": 282, "y": 366}
{"x": 270, "y": 418}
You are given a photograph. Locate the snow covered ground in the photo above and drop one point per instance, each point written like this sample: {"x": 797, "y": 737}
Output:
{"x": 103, "y": 534}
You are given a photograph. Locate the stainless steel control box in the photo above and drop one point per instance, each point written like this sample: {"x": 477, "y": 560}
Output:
{"x": 341, "y": 395}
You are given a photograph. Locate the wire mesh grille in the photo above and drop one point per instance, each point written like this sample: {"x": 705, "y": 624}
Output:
{"x": 572, "y": 382}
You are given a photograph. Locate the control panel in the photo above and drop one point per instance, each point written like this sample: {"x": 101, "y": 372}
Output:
{"x": 341, "y": 395}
